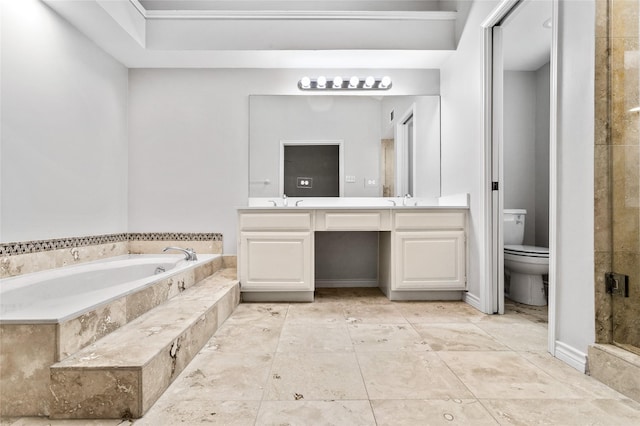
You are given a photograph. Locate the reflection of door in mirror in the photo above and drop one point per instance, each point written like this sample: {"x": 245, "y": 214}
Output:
{"x": 408, "y": 159}
{"x": 388, "y": 168}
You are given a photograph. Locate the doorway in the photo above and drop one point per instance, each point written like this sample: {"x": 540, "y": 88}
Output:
{"x": 520, "y": 48}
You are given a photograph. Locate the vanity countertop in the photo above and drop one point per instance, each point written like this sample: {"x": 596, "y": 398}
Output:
{"x": 458, "y": 201}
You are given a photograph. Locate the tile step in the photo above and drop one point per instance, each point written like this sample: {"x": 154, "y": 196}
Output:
{"x": 124, "y": 373}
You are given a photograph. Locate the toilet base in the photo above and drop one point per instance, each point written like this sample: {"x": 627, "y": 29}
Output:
{"x": 527, "y": 289}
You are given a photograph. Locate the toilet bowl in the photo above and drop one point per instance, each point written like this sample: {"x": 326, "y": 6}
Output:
{"x": 524, "y": 264}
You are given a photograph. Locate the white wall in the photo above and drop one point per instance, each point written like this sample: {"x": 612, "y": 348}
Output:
{"x": 542, "y": 156}
{"x": 189, "y": 141}
{"x": 462, "y": 137}
{"x": 519, "y": 147}
{"x": 64, "y": 130}
{"x": 354, "y": 120}
{"x": 575, "y": 226}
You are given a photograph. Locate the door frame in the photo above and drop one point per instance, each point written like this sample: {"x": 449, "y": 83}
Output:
{"x": 492, "y": 293}
{"x": 401, "y": 151}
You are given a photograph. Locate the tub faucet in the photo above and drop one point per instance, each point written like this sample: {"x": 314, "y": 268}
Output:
{"x": 189, "y": 253}
{"x": 406, "y": 199}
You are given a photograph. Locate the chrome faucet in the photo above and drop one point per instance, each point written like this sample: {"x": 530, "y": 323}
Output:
{"x": 274, "y": 202}
{"x": 298, "y": 202}
{"x": 189, "y": 253}
{"x": 406, "y": 199}
{"x": 392, "y": 202}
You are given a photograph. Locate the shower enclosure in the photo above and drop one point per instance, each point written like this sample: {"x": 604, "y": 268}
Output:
{"x": 617, "y": 196}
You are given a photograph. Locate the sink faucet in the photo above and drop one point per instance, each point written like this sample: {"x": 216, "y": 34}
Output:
{"x": 392, "y": 202}
{"x": 189, "y": 253}
{"x": 406, "y": 199}
{"x": 298, "y": 202}
{"x": 274, "y": 202}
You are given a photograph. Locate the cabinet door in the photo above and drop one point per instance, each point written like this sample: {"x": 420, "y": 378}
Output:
{"x": 275, "y": 261}
{"x": 429, "y": 260}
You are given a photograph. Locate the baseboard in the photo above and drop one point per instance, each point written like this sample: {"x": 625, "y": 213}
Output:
{"x": 571, "y": 356}
{"x": 472, "y": 300}
{"x": 342, "y": 283}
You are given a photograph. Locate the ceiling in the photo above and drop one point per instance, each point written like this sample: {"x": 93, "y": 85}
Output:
{"x": 527, "y": 43}
{"x": 270, "y": 33}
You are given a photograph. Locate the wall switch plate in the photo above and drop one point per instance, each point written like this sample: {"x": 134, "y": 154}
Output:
{"x": 304, "y": 182}
{"x": 350, "y": 179}
{"x": 370, "y": 182}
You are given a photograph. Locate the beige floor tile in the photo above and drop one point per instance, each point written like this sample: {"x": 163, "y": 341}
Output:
{"x": 495, "y": 375}
{"x": 518, "y": 336}
{"x": 409, "y": 375}
{"x": 320, "y": 413}
{"x": 44, "y": 421}
{"x": 373, "y": 314}
{"x": 315, "y": 338}
{"x": 386, "y": 337}
{"x": 351, "y": 296}
{"x": 457, "y": 337}
{"x": 566, "y": 412}
{"x": 586, "y": 386}
{"x": 439, "y": 312}
{"x": 233, "y": 338}
{"x": 201, "y": 411}
{"x": 223, "y": 377}
{"x": 316, "y": 313}
{"x": 431, "y": 412}
{"x": 315, "y": 376}
{"x": 259, "y": 314}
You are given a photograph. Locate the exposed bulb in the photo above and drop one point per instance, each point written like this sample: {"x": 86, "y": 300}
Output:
{"x": 305, "y": 82}
{"x": 368, "y": 83}
{"x": 385, "y": 82}
{"x": 337, "y": 82}
{"x": 353, "y": 82}
{"x": 321, "y": 82}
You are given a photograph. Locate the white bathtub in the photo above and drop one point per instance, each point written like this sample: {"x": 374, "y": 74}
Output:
{"x": 59, "y": 294}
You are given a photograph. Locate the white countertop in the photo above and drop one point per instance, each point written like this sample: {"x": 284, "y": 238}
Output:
{"x": 457, "y": 201}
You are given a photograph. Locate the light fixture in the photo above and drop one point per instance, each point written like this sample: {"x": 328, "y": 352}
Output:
{"x": 342, "y": 83}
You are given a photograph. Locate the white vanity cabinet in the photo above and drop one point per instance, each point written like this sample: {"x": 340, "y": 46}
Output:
{"x": 421, "y": 251}
{"x": 429, "y": 251}
{"x": 275, "y": 252}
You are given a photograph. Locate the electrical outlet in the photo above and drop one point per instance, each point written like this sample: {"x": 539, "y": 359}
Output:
{"x": 350, "y": 179}
{"x": 370, "y": 182}
{"x": 304, "y": 182}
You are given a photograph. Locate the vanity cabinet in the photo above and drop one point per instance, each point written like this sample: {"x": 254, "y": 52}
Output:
{"x": 429, "y": 251}
{"x": 275, "y": 253}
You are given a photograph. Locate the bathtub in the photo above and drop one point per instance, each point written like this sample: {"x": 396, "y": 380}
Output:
{"x": 57, "y": 295}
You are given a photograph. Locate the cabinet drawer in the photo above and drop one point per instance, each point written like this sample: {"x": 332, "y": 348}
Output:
{"x": 431, "y": 220}
{"x": 353, "y": 221}
{"x": 275, "y": 221}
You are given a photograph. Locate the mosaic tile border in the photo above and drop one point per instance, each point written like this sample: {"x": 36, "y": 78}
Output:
{"x": 37, "y": 246}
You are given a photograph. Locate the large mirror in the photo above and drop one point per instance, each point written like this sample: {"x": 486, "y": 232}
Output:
{"x": 351, "y": 146}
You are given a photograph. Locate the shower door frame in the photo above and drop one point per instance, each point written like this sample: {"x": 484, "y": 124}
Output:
{"x": 492, "y": 293}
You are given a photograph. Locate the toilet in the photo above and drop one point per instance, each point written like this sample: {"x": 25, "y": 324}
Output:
{"x": 524, "y": 264}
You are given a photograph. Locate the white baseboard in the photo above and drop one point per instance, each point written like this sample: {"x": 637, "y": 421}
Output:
{"x": 366, "y": 282}
{"x": 472, "y": 299}
{"x": 571, "y": 356}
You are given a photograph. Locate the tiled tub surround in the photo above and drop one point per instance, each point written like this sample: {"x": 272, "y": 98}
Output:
{"x": 29, "y": 348}
{"x": 617, "y": 202}
{"x": 24, "y": 257}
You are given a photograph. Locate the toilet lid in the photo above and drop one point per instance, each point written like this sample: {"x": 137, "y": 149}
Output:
{"x": 530, "y": 251}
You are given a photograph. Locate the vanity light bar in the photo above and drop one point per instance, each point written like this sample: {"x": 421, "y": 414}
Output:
{"x": 345, "y": 83}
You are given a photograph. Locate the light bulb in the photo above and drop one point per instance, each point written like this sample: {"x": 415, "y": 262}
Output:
{"x": 305, "y": 82}
{"x": 353, "y": 82}
{"x": 337, "y": 82}
{"x": 385, "y": 82}
{"x": 368, "y": 83}
{"x": 321, "y": 82}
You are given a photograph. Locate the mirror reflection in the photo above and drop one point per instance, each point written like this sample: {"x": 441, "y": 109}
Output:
{"x": 351, "y": 146}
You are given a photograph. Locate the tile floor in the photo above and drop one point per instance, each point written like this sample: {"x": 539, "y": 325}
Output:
{"x": 355, "y": 358}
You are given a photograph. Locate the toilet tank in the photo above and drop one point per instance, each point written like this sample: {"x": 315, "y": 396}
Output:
{"x": 513, "y": 229}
